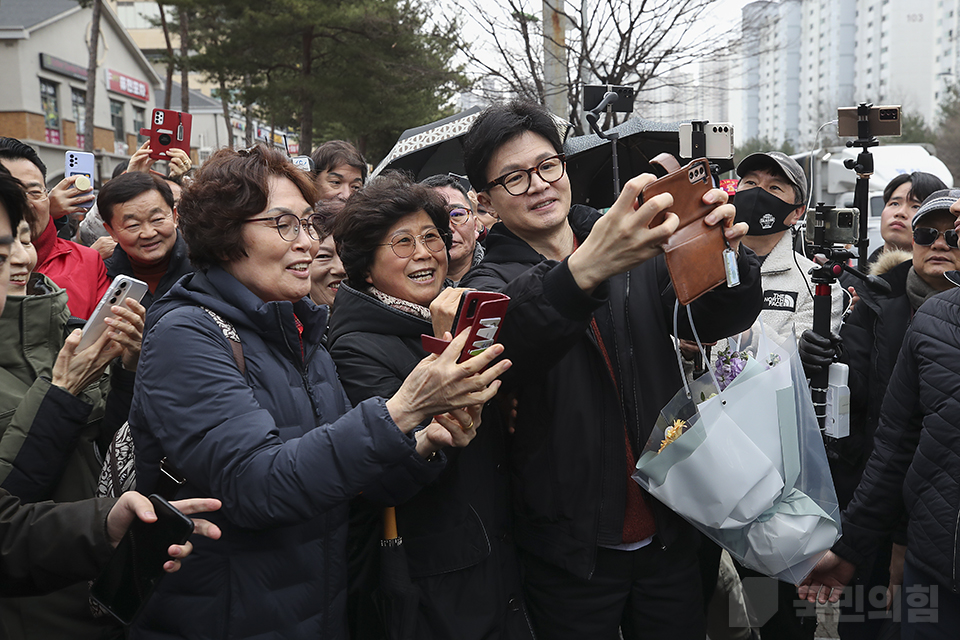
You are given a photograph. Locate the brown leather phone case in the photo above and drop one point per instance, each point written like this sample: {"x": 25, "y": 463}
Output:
{"x": 694, "y": 253}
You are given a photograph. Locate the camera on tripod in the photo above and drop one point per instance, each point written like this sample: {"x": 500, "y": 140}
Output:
{"x": 841, "y": 227}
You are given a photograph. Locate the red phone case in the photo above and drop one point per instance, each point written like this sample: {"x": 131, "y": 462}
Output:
{"x": 169, "y": 130}
{"x": 483, "y": 312}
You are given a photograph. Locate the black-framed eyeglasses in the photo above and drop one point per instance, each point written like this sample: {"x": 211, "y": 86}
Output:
{"x": 404, "y": 245}
{"x": 288, "y": 225}
{"x": 517, "y": 183}
{"x": 459, "y": 216}
{"x": 925, "y": 236}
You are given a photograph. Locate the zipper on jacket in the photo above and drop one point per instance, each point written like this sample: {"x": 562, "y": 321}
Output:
{"x": 955, "y": 529}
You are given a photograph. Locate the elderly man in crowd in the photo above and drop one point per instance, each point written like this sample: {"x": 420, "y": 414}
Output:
{"x": 140, "y": 214}
{"x": 911, "y": 469}
{"x": 465, "y": 252}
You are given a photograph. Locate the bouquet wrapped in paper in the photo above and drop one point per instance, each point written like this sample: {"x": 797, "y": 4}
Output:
{"x": 738, "y": 453}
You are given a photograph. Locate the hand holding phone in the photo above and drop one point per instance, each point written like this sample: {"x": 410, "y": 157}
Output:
{"x": 136, "y": 566}
{"x": 697, "y": 255}
{"x": 169, "y": 130}
{"x": 687, "y": 185}
{"x": 483, "y": 312}
{"x": 120, "y": 289}
{"x": 82, "y": 165}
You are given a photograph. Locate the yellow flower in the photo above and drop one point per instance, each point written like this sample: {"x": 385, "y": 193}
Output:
{"x": 672, "y": 433}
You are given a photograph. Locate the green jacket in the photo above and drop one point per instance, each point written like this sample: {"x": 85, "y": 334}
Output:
{"x": 51, "y": 444}
{"x": 44, "y": 546}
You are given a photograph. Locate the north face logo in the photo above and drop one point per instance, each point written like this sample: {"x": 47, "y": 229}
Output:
{"x": 780, "y": 300}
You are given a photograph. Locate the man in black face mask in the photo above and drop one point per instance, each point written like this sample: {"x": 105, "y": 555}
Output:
{"x": 771, "y": 199}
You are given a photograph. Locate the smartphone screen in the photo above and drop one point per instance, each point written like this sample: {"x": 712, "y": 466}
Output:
{"x": 120, "y": 289}
{"x": 136, "y": 565}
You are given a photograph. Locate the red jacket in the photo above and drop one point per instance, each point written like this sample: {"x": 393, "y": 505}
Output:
{"x": 76, "y": 268}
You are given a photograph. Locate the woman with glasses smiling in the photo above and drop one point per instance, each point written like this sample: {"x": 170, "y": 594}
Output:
{"x": 237, "y": 393}
{"x": 394, "y": 239}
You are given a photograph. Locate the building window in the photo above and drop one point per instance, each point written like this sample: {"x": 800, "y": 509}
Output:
{"x": 79, "y": 100}
{"x": 51, "y": 110}
{"x": 139, "y": 122}
{"x": 119, "y": 135}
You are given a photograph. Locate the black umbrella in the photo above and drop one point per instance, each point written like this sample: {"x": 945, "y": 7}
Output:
{"x": 431, "y": 148}
{"x": 437, "y": 148}
{"x": 397, "y": 597}
{"x": 589, "y": 158}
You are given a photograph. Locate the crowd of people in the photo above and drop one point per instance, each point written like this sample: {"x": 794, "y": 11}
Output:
{"x": 275, "y": 372}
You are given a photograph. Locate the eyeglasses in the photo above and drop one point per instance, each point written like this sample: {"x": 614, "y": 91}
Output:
{"x": 37, "y": 194}
{"x": 517, "y": 183}
{"x": 459, "y": 216}
{"x": 925, "y": 236}
{"x": 288, "y": 225}
{"x": 405, "y": 245}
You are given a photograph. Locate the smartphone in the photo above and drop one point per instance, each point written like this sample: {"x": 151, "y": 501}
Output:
{"x": 169, "y": 130}
{"x": 687, "y": 185}
{"x": 80, "y": 163}
{"x": 719, "y": 140}
{"x": 593, "y": 95}
{"x": 884, "y": 121}
{"x": 136, "y": 566}
{"x": 482, "y": 312}
{"x": 119, "y": 290}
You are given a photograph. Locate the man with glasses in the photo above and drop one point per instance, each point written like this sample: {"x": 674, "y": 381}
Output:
{"x": 588, "y": 332}
{"x": 76, "y": 268}
{"x": 140, "y": 214}
{"x": 465, "y": 251}
{"x": 873, "y": 338}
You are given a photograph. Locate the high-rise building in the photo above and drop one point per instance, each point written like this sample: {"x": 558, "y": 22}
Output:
{"x": 802, "y": 59}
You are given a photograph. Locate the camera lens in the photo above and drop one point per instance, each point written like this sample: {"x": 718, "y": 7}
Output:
{"x": 123, "y": 285}
{"x": 164, "y": 139}
{"x": 113, "y": 300}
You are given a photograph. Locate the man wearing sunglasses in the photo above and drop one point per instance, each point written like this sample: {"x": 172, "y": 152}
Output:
{"x": 873, "y": 338}
{"x": 588, "y": 330}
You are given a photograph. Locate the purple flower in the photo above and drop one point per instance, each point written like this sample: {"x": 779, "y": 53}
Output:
{"x": 729, "y": 365}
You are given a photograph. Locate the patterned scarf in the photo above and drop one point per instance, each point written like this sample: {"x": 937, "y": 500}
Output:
{"x": 406, "y": 306}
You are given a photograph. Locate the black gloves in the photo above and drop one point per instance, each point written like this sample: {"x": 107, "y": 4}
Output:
{"x": 817, "y": 352}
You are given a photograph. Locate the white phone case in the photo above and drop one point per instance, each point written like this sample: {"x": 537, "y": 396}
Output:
{"x": 120, "y": 289}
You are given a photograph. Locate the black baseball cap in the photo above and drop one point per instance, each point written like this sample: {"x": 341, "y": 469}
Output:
{"x": 776, "y": 159}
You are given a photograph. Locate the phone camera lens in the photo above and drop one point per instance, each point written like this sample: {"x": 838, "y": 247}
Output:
{"x": 164, "y": 139}
{"x": 113, "y": 300}
{"x": 123, "y": 285}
